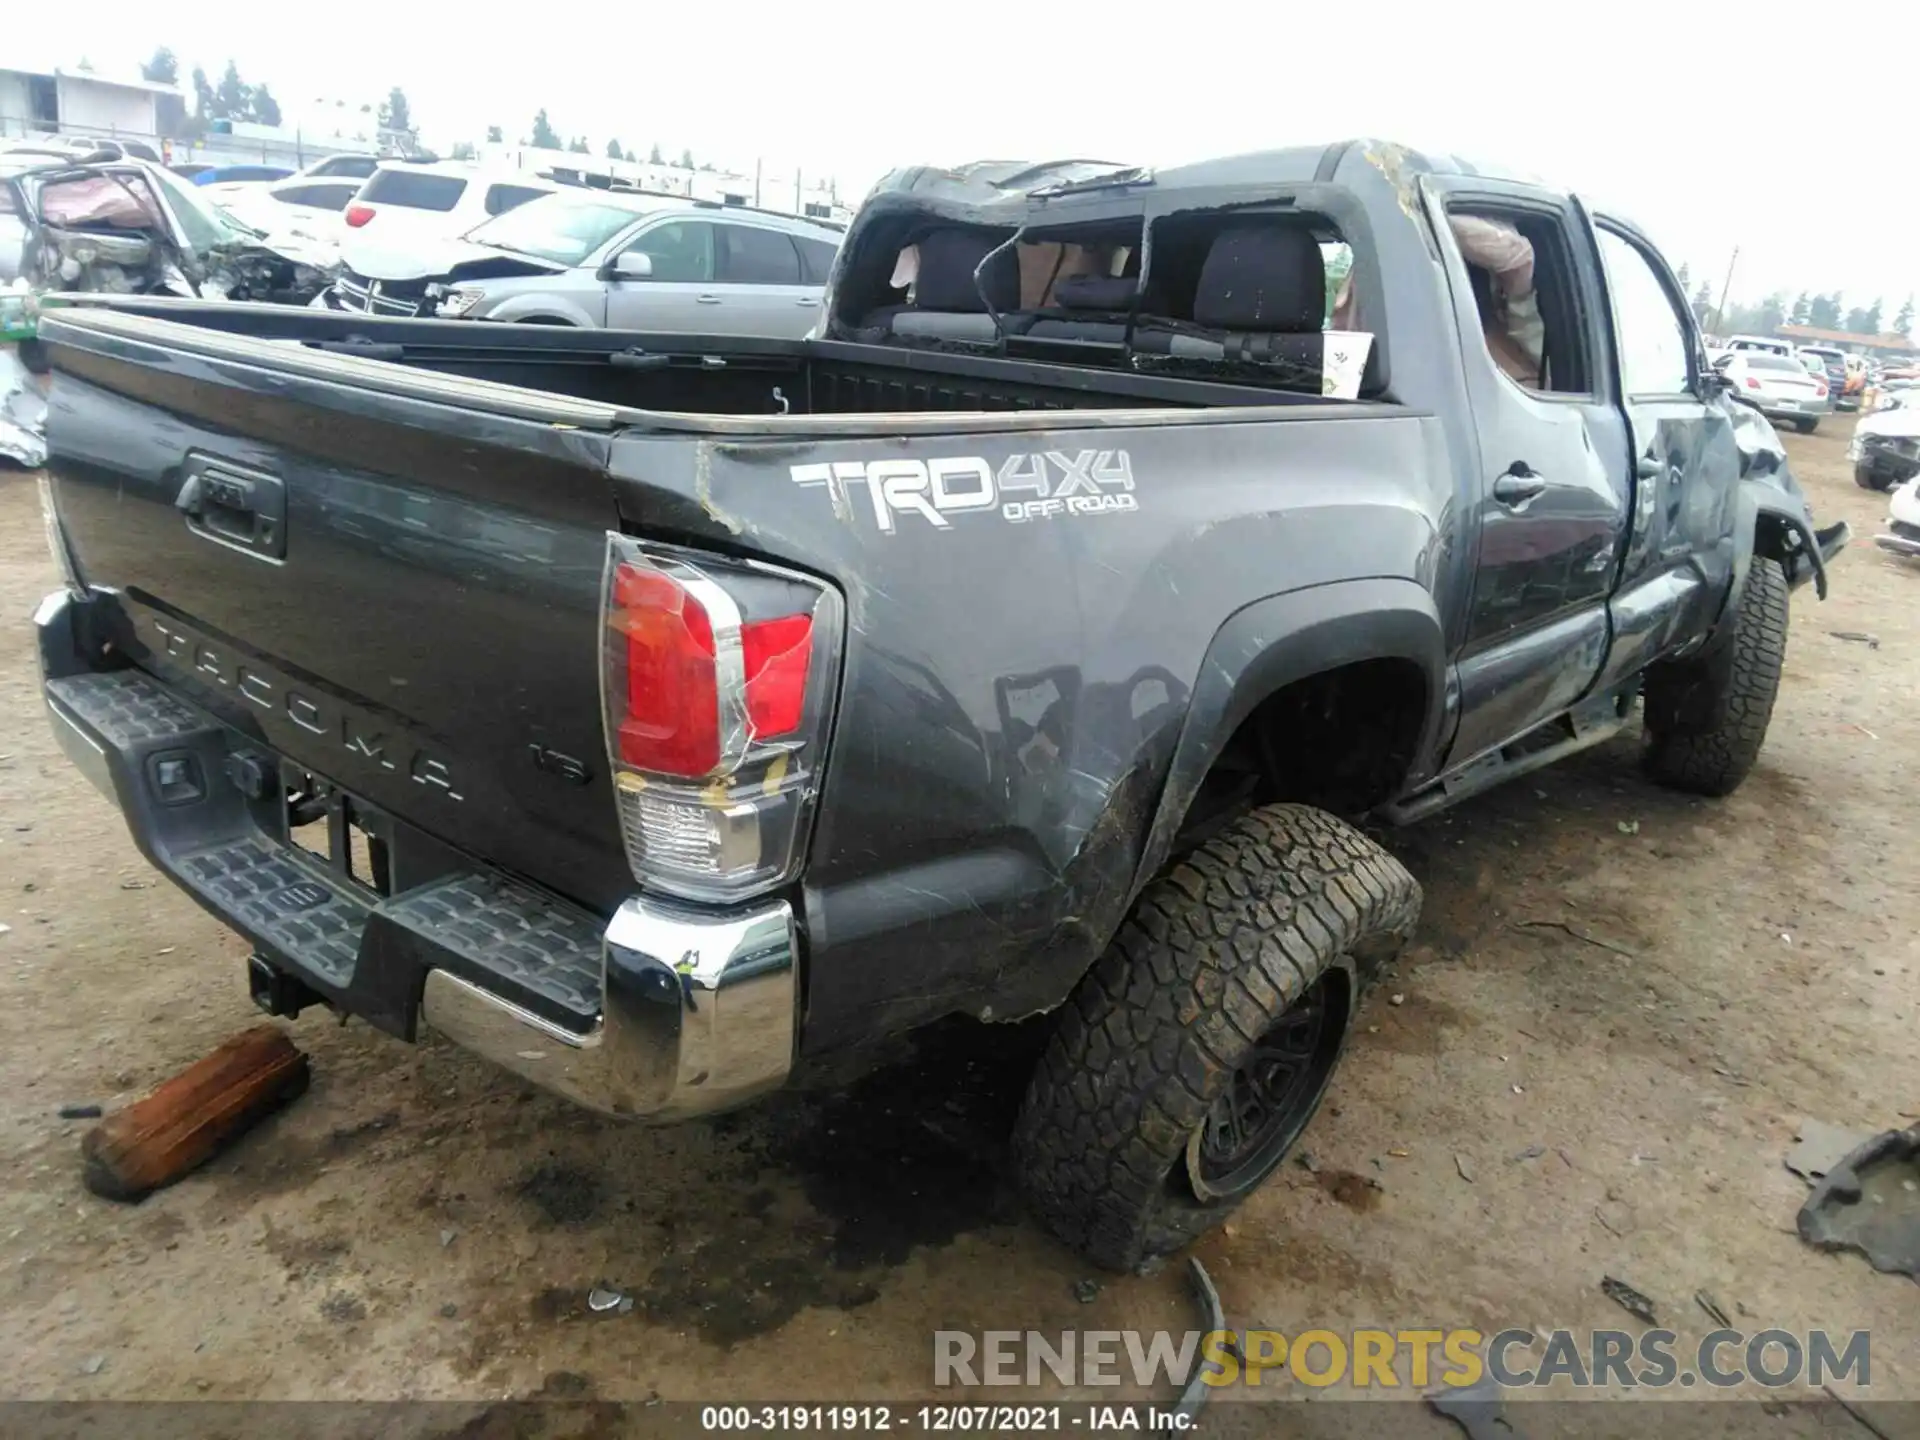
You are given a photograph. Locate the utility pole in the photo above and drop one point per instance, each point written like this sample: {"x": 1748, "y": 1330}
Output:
{"x": 756, "y": 182}
{"x": 1720, "y": 310}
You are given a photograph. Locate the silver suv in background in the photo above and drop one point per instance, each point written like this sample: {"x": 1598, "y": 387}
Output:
{"x": 605, "y": 259}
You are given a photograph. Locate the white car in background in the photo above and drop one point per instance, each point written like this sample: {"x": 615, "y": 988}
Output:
{"x": 410, "y": 207}
{"x": 1902, "y": 535}
{"x": 1779, "y": 386}
{"x": 1885, "y": 449}
{"x": 311, "y": 209}
{"x": 1763, "y": 344}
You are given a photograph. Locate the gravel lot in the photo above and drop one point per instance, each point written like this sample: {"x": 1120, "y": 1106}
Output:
{"x": 1619, "y": 1083}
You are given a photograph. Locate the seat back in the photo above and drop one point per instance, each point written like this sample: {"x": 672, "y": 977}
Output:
{"x": 948, "y": 304}
{"x": 1261, "y": 298}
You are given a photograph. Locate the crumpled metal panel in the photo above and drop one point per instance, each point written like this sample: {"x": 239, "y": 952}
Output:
{"x": 23, "y": 413}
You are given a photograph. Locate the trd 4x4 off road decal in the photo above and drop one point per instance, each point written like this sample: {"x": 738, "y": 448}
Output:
{"x": 1091, "y": 482}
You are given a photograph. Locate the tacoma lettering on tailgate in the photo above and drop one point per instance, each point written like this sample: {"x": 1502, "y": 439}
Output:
{"x": 366, "y": 740}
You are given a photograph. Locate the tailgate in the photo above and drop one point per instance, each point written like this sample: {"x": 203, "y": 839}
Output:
{"x": 389, "y": 577}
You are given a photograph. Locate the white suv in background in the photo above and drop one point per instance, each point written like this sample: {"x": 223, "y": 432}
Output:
{"x": 406, "y": 206}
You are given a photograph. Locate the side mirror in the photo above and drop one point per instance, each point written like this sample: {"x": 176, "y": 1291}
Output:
{"x": 631, "y": 265}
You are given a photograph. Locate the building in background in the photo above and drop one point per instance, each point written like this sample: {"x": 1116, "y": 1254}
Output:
{"x": 77, "y": 100}
{"x": 1886, "y": 346}
{"x": 793, "y": 191}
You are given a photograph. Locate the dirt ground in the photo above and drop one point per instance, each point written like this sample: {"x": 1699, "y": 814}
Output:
{"x": 1539, "y": 1109}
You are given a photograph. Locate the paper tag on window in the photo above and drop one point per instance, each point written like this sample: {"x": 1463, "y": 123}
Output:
{"x": 1343, "y": 361}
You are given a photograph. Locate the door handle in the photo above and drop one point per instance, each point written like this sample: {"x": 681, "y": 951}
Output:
{"x": 1518, "y": 485}
{"x": 807, "y": 301}
{"x": 707, "y": 299}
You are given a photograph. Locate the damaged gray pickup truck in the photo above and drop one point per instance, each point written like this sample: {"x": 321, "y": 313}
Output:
{"x": 671, "y": 719}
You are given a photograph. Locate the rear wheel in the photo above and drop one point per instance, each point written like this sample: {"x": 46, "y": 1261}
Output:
{"x": 1198, "y": 1047}
{"x": 1707, "y": 716}
{"x": 1865, "y": 477}
{"x": 1807, "y": 424}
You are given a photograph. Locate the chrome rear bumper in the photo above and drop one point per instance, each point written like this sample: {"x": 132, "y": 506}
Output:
{"x": 699, "y": 1015}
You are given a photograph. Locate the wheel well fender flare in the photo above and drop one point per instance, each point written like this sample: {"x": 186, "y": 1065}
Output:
{"x": 1282, "y": 639}
{"x": 1768, "y": 521}
{"x": 539, "y": 310}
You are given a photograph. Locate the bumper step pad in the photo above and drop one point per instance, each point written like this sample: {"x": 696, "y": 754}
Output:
{"x": 312, "y": 920}
{"x": 125, "y": 708}
{"x": 507, "y": 938}
{"x": 511, "y": 940}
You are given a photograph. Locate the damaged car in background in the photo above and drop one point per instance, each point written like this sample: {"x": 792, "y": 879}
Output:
{"x": 1885, "y": 449}
{"x": 123, "y": 226}
{"x": 604, "y": 259}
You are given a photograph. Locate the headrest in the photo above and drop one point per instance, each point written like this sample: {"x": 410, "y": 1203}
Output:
{"x": 1096, "y": 292}
{"x": 1263, "y": 277}
{"x": 948, "y": 259}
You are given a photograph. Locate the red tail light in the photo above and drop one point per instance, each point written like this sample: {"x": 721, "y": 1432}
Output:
{"x": 672, "y": 720}
{"x": 358, "y": 215}
{"x": 777, "y": 654}
{"x": 1752, "y": 384}
{"x": 1819, "y": 390}
{"x": 717, "y": 687}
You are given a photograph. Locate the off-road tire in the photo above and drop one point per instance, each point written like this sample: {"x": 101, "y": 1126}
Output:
{"x": 1866, "y": 479}
{"x": 1706, "y": 718}
{"x": 1806, "y": 424}
{"x": 1212, "y": 956}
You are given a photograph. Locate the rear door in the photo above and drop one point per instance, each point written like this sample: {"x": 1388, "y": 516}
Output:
{"x": 762, "y": 291}
{"x": 681, "y": 296}
{"x": 1554, "y": 488}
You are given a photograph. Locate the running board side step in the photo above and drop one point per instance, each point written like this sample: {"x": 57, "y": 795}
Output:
{"x": 1588, "y": 724}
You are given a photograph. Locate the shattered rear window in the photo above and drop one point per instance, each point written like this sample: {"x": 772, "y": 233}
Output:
{"x": 414, "y": 191}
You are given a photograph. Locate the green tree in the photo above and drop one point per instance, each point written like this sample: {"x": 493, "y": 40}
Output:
{"x": 261, "y": 106}
{"x": 580, "y": 146}
{"x": 1702, "y": 302}
{"x": 463, "y": 150}
{"x": 1903, "y": 322}
{"x": 163, "y": 68}
{"x": 1874, "y": 313}
{"x": 614, "y": 152}
{"x": 1686, "y": 280}
{"x": 1773, "y": 314}
{"x": 545, "y": 137}
{"x": 396, "y": 115}
{"x": 686, "y": 159}
{"x": 231, "y": 95}
{"x": 203, "y": 97}
{"x": 493, "y": 135}
{"x": 653, "y": 155}
{"x": 1824, "y": 313}
{"x": 1802, "y": 313}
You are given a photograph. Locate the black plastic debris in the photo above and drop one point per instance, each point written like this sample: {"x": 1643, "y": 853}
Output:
{"x": 1627, "y": 1298}
{"x": 1870, "y": 1203}
{"x": 1475, "y": 1409}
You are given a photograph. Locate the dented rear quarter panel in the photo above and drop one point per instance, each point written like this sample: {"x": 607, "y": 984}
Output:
{"x": 1013, "y": 690}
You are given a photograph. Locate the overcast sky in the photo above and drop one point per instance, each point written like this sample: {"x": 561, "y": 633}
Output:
{"x": 1708, "y": 124}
